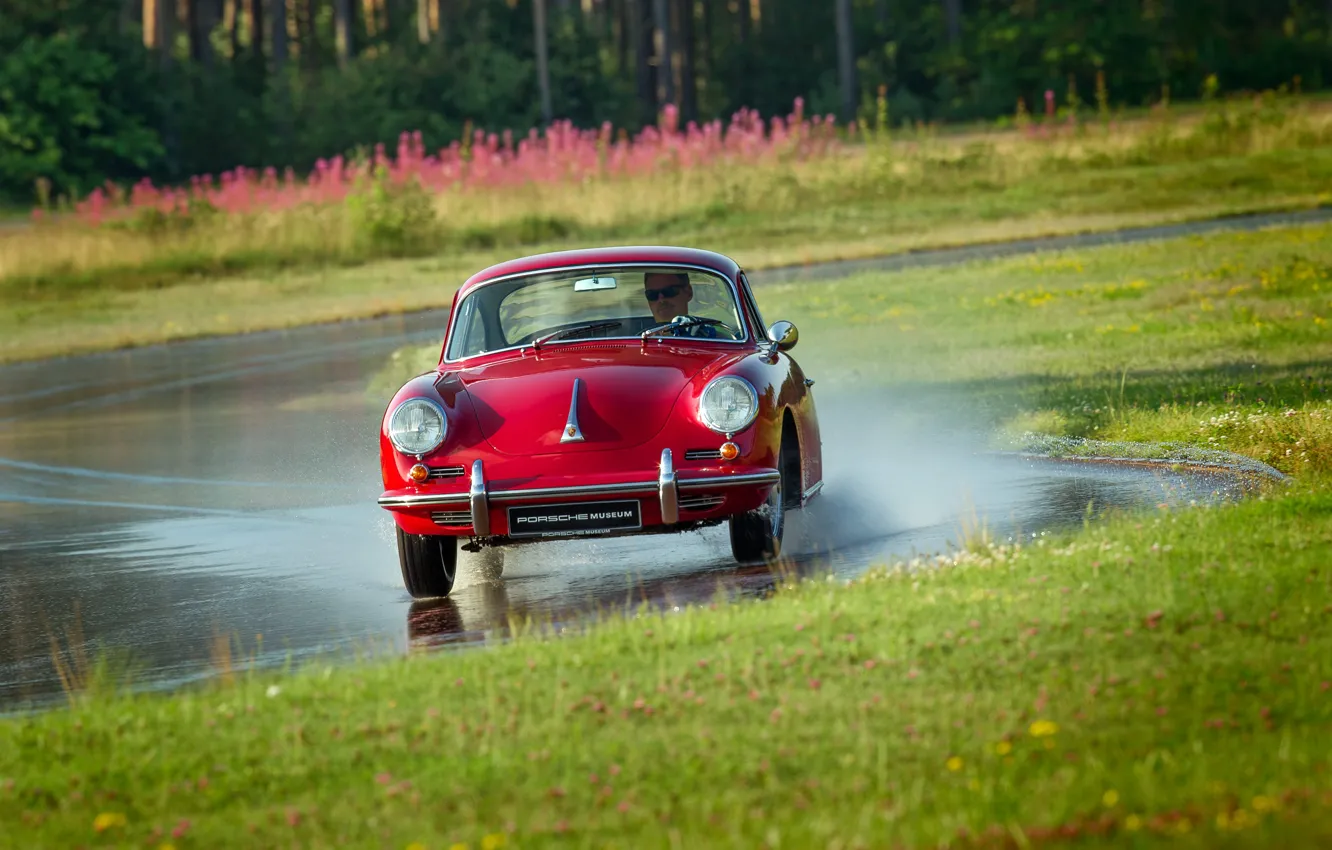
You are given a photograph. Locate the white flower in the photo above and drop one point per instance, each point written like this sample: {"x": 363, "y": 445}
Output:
{"x": 273, "y": 690}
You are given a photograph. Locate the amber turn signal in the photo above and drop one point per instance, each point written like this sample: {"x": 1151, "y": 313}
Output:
{"x": 419, "y": 473}
{"x": 730, "y": 451}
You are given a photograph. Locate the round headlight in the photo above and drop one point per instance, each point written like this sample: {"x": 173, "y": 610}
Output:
{"x": 728, "y": 405}
{"x": 417, "y": 426}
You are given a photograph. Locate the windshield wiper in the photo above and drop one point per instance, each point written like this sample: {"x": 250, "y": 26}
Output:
{"x": 569, "y": 332}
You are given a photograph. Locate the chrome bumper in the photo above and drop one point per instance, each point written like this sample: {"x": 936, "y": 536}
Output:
{"x": 667, "y": 487}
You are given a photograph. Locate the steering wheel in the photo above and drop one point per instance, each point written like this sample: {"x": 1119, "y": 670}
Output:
{"x": 682, "y": 325}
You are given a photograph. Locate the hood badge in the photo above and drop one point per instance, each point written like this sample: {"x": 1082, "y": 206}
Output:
{"x": 572, "y": 433}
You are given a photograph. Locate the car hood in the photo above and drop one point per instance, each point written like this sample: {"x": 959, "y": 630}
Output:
{"x": 626, "y": 397}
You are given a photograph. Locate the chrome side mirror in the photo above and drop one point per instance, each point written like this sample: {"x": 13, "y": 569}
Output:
{"x": 784, "y": 334}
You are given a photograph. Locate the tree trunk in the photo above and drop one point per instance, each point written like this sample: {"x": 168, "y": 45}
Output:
{"x": 164, "y": 34}
{"x": 393, "y": 20}
{"x": 203, "y": 19}
{"x": 665, "y": 74}
{"x": 846, "y": 59}
{"x": 746, "y": 18}
{"x": 277, "y": 19}
{"x": 164, "y": 29}
{"x": 688, "y": 78}
{"x": 342, "y": 31}
{"x": 705, "y": 40}
{"x": 542, "y": 58}
{"x": 953, "y": 16}
{"x": 621, "y": 25}
{"x": 231, "y": 20}
{"x": 256, "y": 20}
{"x": 640, "y": 34}
{"x": 423, "y": 21}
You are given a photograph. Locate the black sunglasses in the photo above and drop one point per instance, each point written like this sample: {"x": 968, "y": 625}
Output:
{"x": 664, "y": 292}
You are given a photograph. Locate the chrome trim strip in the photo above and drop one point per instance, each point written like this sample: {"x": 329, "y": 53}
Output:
{"x": 576, "y": 490}
{"x": 424, "y": 500}
{"x": 811, "y": 493}
{"x": 770, "y": 476}
{"x": 703, "y": 454}
{"x": 572, "y": 433}
{"x": 480, "y": 504}
{"x": 667, "y": 490}
{"x": 735, "y": 294}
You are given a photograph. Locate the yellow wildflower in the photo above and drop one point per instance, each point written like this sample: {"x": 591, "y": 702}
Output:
{"x": 1133, "y": 823}
{"x": 494, "y": 841}
{"x": 1110, "y": 798}
{"x": 107, "y": 820}
{"x": 954, "y": 764}
{"x": 1043, "y": 728}
{"x": 416, "y": 845}
{"x": 1003, "y": 748}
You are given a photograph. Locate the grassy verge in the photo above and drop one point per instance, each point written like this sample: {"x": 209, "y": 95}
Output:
{"x": 68, "y": 289}
{"x": 1155, "y": 679}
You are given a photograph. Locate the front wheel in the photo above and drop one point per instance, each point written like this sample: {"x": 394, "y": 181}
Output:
{"x": 429, "y": 563}
{"x": 757, "y": 535}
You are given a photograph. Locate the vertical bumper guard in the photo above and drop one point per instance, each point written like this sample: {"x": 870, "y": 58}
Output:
{"x": 480, "y": 503}
{"x": 668, "y": 490}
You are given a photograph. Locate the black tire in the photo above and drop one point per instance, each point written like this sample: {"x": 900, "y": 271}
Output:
{"x": 429, "y": 563}
{"x": 757, "y": 535}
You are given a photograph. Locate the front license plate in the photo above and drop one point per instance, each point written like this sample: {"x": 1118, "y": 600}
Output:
{"x": 569, "y": 520}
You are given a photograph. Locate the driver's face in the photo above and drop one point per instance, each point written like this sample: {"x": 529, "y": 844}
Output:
{"x": 672, "y": 294}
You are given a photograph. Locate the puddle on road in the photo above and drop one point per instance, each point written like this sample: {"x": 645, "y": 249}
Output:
{"x": 297, "y": 583}
{"x": 158, "y": 498}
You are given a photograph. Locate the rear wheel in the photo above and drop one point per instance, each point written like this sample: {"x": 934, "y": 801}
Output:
{"x": 757, "y": 534}
{"x": 429, "y": 563}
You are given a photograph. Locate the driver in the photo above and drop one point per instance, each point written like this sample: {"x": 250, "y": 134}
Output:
{"x": 668, "y": 295}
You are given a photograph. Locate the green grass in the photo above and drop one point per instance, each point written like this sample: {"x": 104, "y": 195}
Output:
{"x": 68, "y": 289}
{"x": 1155, "y": 678}
{"x": 1159, "y": 679}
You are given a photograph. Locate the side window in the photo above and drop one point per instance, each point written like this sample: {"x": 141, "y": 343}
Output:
{"x": 752, "y": 305}
{"x": 476, "y": 334}
{"x": 469, "y": 332}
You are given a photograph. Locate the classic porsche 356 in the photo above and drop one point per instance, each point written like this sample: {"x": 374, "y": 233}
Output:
{"x": 595, "y": 393}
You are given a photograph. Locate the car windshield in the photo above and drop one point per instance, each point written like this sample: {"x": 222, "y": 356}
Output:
{"x": 602, "y": 303}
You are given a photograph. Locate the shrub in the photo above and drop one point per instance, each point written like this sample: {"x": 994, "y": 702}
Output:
{"x": 388, "y": 218}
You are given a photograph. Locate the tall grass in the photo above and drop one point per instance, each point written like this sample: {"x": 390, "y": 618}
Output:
{"x": 385, "y": 214}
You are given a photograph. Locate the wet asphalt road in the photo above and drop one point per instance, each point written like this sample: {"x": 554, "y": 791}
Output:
{"x": 152, "y": 500}
{"x": 157, "y": 498}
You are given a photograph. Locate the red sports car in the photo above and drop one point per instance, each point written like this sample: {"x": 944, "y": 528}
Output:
{"x": 595, "y": 393}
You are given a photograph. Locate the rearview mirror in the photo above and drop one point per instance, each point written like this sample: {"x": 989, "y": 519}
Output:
{"x": 594, "y": 284}
{"x": 784, "y": 334}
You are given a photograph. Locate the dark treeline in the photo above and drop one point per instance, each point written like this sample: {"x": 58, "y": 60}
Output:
{"x": 116, "y": 89}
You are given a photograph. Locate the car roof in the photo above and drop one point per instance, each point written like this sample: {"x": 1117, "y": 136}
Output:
{"x": 663, "y": 255}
